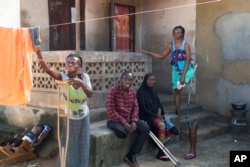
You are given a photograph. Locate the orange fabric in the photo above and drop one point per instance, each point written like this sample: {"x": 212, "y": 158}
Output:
{"x": 15, "y": 66}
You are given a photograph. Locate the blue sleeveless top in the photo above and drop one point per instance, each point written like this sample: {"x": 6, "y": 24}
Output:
{"x": 178, "y": 57}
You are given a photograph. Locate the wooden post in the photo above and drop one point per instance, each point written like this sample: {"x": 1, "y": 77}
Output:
{"x": 77, "y": 6}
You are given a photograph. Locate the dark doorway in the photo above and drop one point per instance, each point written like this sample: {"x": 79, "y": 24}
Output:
{"x": 122, "y": 27}
{"x": 62, "y": 30}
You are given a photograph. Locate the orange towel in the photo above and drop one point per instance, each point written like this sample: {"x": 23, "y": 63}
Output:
{"x": 15, "y": 66}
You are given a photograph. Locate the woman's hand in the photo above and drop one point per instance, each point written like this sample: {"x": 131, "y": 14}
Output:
{"x": 36, "y": 49}
{"x": 144, "y": 51}
{"x": 76, "y": 82}
{"x": 182, "y": 79}
{"x": 159, "y": 116}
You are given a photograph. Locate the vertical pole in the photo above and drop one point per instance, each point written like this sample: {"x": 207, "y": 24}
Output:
{"x": 77, "y": 6}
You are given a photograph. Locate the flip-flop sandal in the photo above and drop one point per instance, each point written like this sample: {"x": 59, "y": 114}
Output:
{"x": 164, "y": 158}
{"x": 190, "y": 156}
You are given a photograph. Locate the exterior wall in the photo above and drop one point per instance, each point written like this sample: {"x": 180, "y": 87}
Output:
{"x": 35, "y": 13}
{"x": 217, "y": 32}
{"x": 153, "y": 29}
{"x": 10, "y": 13}
{"x": 156, "y": 31}
{"x": 98, "y": 30}
{"x": 222, "y": 51}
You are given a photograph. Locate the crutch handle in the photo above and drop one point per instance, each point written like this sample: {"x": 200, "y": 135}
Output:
{"x": 61, "y": 82}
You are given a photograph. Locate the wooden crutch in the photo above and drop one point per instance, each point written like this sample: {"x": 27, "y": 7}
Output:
{"x": 62, "y": 116}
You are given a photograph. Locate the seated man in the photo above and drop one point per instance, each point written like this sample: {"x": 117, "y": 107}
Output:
{"x": 122, "y": 115}
{"x": 30, "y": 135}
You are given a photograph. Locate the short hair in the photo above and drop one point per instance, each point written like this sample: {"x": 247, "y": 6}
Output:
{"x": 126, "y": 73}
{"x": 39, "y": 125}
{"x": 75, "y": 56}
{"x": 180, "y": 27}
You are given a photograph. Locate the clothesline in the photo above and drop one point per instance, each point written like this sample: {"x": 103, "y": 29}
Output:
{"x": 136, "y": 13}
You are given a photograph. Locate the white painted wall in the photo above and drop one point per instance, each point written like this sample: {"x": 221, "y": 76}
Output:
{"x": 35, "y": 13}
{"x": 10, "y": 13}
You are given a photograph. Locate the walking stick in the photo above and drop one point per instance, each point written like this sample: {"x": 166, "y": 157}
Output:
{"x": 164, "y": 149}
{"x": 62, "y": 116}
{"x": 188, "y": 103}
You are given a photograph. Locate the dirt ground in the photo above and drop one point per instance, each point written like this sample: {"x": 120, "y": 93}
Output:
{"x": 210, "y": 153}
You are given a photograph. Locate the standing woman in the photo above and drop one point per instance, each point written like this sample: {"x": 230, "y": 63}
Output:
{"x": 182, "y": 69}
{"x": 79, "y": 125}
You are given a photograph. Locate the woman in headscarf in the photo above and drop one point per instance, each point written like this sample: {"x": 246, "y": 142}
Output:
{"x": 152, "y": 112}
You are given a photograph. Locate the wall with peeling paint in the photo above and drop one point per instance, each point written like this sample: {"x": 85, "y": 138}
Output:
{"x": 223, "y": 54}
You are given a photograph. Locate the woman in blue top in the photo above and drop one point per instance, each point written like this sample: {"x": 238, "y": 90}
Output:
{"x": 182, "y": 70}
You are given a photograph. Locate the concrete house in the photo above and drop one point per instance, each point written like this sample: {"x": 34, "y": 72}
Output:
{"x": 212, "y": 28}
{"x": 217, "y": 31}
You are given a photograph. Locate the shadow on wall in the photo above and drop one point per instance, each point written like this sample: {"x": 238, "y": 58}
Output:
{"x": 28, "y": 116}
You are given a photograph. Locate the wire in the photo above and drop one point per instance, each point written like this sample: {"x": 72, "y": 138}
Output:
{"x": 136, "y": 13}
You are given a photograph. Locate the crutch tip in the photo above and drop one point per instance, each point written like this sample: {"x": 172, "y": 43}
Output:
{"x": 177, "y": 164}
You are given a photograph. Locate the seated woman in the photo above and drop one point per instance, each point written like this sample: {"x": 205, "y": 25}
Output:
{"x": 151, "y": 111}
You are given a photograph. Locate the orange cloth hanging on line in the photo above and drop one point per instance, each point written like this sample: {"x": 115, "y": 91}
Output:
{"x": 15, "y": 66}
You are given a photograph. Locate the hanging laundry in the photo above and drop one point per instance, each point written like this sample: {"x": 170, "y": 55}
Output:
{"x": 16, "y": 61}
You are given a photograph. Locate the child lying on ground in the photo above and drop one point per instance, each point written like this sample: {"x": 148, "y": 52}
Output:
{"x": 30, "y": 135}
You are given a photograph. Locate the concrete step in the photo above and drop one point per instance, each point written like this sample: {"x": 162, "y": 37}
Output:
{"x": 168, "y": 99}
{"x": 103, "y": 140}
{"x": 107, "y": 150}
{"x": 186, "y": 109}
{"x": 212, "y": 152}
{"x": 170, "y": 113}
{"x": 210, "y": 125}
{"x": 99, "y": 114}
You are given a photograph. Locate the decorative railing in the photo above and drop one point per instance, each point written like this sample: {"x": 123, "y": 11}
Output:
{"x": 104, "y": 68}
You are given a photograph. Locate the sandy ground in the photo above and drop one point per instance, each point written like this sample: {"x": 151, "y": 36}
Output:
{"x": 210, "y": 153}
